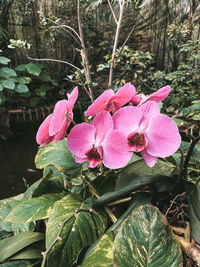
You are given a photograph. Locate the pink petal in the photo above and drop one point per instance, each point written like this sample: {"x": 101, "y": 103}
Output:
{"x": 136, "y": 99}
{"x": 127, "y": 119}
{"x": 79, "y": 160}
{"x": 59, "y": 115}
{"x": 100, "y": 103}
{"x": 61, "y": 134}
{"x": 150, "y": 160}
{"x": 72, "y": 99}
{"x": 115, "y": 150}
{"x": 149, "y": 110}
{"x": 161, "y": 94}
{"x": 81, "y": 139}
{"x": 124, "y": 95}
{"x": 42, "y": 136}
{"x": 102, "y": 122}
{"x": 163, "y": 136}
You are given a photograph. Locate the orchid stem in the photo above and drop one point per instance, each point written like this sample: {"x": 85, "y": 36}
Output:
{"x": 93, "y": 190}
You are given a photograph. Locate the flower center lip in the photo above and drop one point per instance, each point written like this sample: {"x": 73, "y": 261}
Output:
{"x": 93, "y": 154}
{"x": 137, "y": 141}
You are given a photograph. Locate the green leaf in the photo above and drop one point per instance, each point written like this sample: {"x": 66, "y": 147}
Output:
{"x": 12, "y": 245}
{"x": 16, "y": 263}
{"x": 78, "y": 231}
{"x": 131, "y": 171}
{"x": 145, "y": 239}
{"x": 45, "y": 77}
{"x": 34, "y": 251}
{"x": 1, "y": 87}
{"x": 8, "y": 84}
{"x": 24, "y": 80}
{"x": 7, "y": 206}
{"x": 53, "y": 182}
{"x": 4, "y": 60}
{"x": 33, "y": 69}
{"x": 136, "y": 183}
{"x": 193, "y": 195}
{"x": 33, "y": 209}
{"x": 21, "y": 67}
{"x": 29, "y": 192}
{"x": 138, "y": 199}
{"x": 58, "y": 155}
{"x": 8, "y": 72}
{"x": 102, "y": 255}
{"x": 27, "y": 254}
{"x": 21, "y": 88}
{"x": 40, "y": 92}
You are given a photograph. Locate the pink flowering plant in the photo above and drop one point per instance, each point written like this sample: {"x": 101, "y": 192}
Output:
{"x": 109, "y": 184}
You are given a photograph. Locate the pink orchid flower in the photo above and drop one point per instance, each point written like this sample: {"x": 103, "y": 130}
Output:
{"x": 147, "y": 131}
{"x": 111, "y": 101}
{"x": 99, "y": 142}
{"x": 161, "y": 94}
{"x": 56, "y": 124}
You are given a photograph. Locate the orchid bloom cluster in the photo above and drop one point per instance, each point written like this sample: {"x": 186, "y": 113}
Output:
{"x": 116, "y": 131}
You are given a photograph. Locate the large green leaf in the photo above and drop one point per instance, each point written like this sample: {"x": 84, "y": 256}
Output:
{"x": 133, "y": 170}
{"x": 193, "y": 194}
{"x": 136, "y": 183}
{"x": 53, "y": 182}
{"x": 33, "y": 209}
{"x": 145, "y": 239}
{"x": 138, "y": 199}
{"x": 9, "y": 246}
{"x": 7, "y": 206}
{"x": 34, "y": 251}
{"x": 29, "y": 192}
{"x": 79, "y": 231}
{"x": 33, "y": 68}
{"x": 58, "y": 155}
{"x": 102, "y": 255}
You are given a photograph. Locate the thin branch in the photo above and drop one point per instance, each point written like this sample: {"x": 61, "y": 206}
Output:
{"x": 84, "y": 54}
{"x": 63, "y": 28}
{"x": 112, "y": 11}
{"x": 66, "y": 26}
{"x": 115, "y": 44}
{"x": 54, "y": 60}
{"x": 109, "y": 212}
{"x": 129, "y": 35}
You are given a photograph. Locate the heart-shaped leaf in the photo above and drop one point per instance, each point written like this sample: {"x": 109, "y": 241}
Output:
{"x": 80, "y": 229}
{"x": 145, "y": 239}
{"x": 102, "y": 255}
{"x": 33, "y": 209}
{"x": 58, "y": 155}
{"x": 7, "y": 206}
